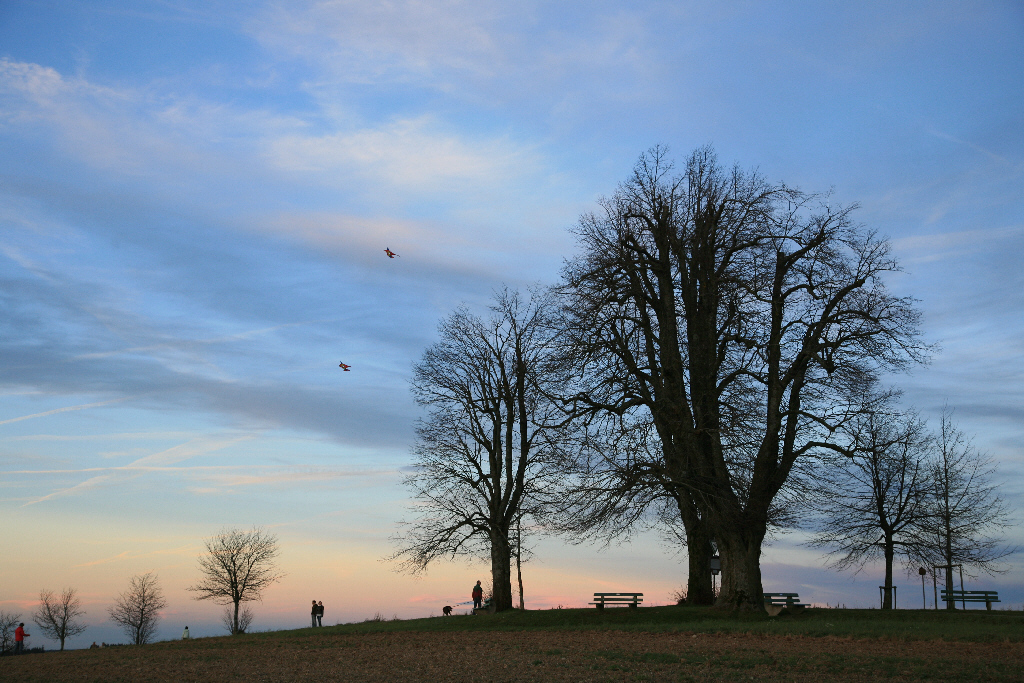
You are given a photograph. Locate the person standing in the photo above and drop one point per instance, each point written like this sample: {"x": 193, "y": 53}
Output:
{"x": 478, "y": 595}
{"x": 185, "y": 635}
{"x": 314, "y": 613}
{"x": 19, "y": 638}
{"x": 320, "y": 613}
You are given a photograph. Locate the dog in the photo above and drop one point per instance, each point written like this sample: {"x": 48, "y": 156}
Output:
{"x": 447, "y": 609}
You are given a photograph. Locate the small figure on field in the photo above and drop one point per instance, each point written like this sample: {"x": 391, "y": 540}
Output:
{"x": 478, "y": 595}
{"x": 185, "y": 635}
{"x": 313, "y": 613}
{"x": 19, "y": 638}
{"x": 94, "y": 646}
{"x": 320, "y": 613}
{"x": 447, "y": 610}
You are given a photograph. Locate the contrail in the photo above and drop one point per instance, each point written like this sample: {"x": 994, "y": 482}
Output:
{"x": 64, "y": 410}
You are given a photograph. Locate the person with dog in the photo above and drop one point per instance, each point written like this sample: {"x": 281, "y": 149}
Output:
{"x": 478, "y": 595}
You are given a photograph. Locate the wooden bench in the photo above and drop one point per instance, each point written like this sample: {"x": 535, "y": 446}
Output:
{"x": 630, "y": 600}
{"x": 987, "y": 597}
{"x": 775, "y": 603}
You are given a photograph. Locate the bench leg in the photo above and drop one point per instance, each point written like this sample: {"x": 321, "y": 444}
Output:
{"x": 632, "y": 606}
{"x": 988, "y": 605}
{"x": 599, "y": 605}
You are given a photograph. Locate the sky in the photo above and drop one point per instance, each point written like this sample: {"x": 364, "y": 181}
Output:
{"x": 195, "y": 199}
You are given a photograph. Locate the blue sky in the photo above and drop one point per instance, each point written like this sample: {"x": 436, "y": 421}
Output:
{"x": 195, "y": 198}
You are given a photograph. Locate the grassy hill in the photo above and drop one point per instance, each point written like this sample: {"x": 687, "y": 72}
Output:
{"x": 653, "y": 644}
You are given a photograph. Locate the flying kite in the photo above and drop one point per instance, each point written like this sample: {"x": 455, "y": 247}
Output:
{"x": 390, "y": 253}
{"x": 344, "y": 367}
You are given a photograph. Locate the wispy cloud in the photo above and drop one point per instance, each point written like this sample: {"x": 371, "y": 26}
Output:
{"x": 408, "y": 154}
{"x": 164, "y": 458}
{"x": 66, "y": 409}
{"x": 186, "y": 550}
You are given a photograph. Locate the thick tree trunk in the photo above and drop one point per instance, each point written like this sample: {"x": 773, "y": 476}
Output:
{"x": 887, "y": 590}
{"x": 234, "y": 622}
{"x": 740, "y": 550}
{"x": 699, "y": 589}
{"x": 501, "y": 572}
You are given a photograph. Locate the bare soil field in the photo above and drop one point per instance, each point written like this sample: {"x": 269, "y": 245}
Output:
{"x": 500, "y": 656}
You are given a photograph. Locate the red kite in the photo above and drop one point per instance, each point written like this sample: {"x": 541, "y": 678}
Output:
{"x": 344, "y": 367}
{"x": 390, "y": 253}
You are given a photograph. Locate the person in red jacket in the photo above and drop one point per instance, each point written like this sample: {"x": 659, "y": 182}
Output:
{"x": 478, "y": 595}
{"x": 19, "y": 638}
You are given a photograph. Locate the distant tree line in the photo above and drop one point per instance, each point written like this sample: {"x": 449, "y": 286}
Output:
{"x": 237, "y": 567}
{"x": 710, "y": 362}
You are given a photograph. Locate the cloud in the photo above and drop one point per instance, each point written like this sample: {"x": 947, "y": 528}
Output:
{"x": 955, "y": 244}
{"x": 169, "y": 456}
{"x": 407, "y": 154}
{"x": 65, "y": 409}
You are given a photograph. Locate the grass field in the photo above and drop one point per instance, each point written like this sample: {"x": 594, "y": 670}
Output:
{"x": 652, "y": 644}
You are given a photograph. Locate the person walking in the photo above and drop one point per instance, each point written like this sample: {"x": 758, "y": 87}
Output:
{"x": 314, "y": 613}
{"x": 320, "y": 613}
{"x": 19, "y": 638}
{"x": 478, "y": 595}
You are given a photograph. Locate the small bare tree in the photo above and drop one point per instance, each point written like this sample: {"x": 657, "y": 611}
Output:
{"x": 966, "y": 510}
{"x": 137, "y": 610}
{"x": 8, "y": 622}
{"x": 237, "y": 567}
{"x": 875, "y": 494}
{"x": 245, "y": 617}
{"x": 57, "y": 615}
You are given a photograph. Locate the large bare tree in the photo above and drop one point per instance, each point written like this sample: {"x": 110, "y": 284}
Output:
{"x": 875, "y": 491}
{"x": 137, "y": 610}
{"x": 57, "y": 615}
{"x": 735, "y": 312}
{"x": 966, "y": 511}
{"x": 237, "y": 567}
{"x": 484, "y": 453}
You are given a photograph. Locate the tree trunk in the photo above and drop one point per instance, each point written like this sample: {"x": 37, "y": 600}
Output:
{"x": 519, "y": 562}
{"x": 887, "y": 590}
{"x": 948, "y": 552}
{"x": 501, "y": 572}
{"x": 699, "y": 588}
{"x": 740, "y": 550}
{"x": 234, "y": 623}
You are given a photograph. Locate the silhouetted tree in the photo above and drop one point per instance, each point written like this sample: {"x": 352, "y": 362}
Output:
{"x": 966, "y": 510}
{"x": 874, "y": 500}
{"x": 137, "y": 610}
{"x": 736, "y": 313}
{"x": 484, "y": 453}
{"x": 237, "y": 567}
{"x": 8, "y": 622}
{"x": 57, "y": 615}
{"x": 245, "y": 617}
